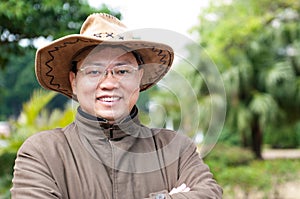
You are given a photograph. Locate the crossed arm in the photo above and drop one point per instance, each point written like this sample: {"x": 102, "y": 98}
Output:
{"x": 195, "y": 179}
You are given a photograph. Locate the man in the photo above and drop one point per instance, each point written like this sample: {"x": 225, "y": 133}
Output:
{"x": 106, "y": 152}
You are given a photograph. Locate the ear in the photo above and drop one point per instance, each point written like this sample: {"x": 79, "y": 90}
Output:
{"x": 72, "y": 79}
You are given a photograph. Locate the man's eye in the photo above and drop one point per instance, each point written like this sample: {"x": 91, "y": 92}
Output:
{"x": 122, "y": 71}
{"x": 93, "y": 72}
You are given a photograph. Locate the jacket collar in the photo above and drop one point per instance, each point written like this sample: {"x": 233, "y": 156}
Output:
{"x": 98, "y": 128}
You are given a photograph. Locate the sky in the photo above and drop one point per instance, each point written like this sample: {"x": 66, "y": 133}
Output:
{"x": 178, "y": 16}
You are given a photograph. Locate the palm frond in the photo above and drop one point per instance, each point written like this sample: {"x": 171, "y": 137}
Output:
{"x": 280, "y": 81}
{"x": 264, "y": 106}
{"x": 33, "y": 107}
{"x": 231, "y": 80}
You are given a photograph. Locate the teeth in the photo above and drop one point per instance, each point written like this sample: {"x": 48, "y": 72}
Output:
{"x": 108, "y": 99}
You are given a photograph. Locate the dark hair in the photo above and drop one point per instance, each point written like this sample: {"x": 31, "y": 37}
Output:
{"x": 74, "y": 66}
{"x": 74, "y": 62}
{"x": 138, "y": 58}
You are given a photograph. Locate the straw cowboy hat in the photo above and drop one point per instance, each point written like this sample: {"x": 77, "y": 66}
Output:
{"x": 54, "y": 61}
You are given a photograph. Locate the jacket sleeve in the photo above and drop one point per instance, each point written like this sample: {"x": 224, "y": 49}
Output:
{"x": 32, "y": 178}
{"x": 196, "y": 175}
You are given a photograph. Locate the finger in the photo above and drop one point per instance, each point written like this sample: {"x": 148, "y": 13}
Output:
{"x": 187, "y": 189}
{"x": 174, "y": 190}
{"x": 181, "y": 187}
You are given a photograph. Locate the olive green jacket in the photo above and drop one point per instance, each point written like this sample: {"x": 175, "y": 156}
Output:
{"x": 90, "y": 159}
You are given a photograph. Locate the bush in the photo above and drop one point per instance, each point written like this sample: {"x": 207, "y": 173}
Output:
{"x": 232, "y": 138}
{"x": 230, "y": 155}
{"x": 6, "y": 169}
{"x": 257, "y": 177}
{"x": 33, "y": 118}
{"x": 283, "y": 137}
{"x": 7, "y": 160}
{"x": 246, "y": 178}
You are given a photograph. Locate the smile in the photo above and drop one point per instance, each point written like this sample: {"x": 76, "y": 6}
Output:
{"x": 108, "y": 99}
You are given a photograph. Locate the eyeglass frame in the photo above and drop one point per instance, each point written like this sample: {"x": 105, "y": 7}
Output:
{"x": 107, "y": 71}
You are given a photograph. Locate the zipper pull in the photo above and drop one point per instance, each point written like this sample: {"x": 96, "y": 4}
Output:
{"x": 111, "y": 134}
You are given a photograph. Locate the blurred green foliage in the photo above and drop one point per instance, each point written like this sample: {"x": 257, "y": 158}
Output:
{"x": 32, "y": 19}
{"x": 17, "y": 81}
{"x": 33, "y": 118}
{"x": 7, "y": 160}
{"x": 255, "y": 45}
{"x": 241, "y": 176}
{"x": 229, "y": 156}
{"x": 283, "y": 136}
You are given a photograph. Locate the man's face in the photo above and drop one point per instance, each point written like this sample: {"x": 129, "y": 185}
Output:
{"x": 110, "y": 96}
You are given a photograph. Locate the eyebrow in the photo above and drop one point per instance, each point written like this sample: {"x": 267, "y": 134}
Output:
{"x": 123, "y": 63}
{"x": 116, "y": 63}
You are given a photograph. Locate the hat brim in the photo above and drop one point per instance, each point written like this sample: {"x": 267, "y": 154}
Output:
{"x": 53, "y": 61}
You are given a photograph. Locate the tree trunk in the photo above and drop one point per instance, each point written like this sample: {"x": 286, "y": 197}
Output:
{"x": 245, "y": 140}
{"x": 256, "y": 138}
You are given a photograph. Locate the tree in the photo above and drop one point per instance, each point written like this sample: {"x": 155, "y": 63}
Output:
{"x": 32, "y": 19}
{"x": 23, "y": 24}
{"x": 255, "y": 45}
{"x": 17, "y": 81}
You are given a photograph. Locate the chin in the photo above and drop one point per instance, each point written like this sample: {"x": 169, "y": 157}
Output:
{"x": 111, "y": 114}
{"x": 108, "y": 116}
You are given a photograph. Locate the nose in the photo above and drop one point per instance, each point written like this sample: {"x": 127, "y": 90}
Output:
{"x": 108, "y": 81}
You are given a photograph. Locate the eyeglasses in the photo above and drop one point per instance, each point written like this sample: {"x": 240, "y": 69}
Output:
{"x": 119, "y": 72}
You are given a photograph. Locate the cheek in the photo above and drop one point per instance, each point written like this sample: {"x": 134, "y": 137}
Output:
{"x": 134, "y": 85}
{"x": 133, "y": 92}
{"x": 80, "y": 85}
{"x": 131, "y": 87}
{"x": 85, "y": 89}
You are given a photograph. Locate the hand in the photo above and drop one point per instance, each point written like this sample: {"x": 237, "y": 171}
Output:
{"x": 181, "y": 188}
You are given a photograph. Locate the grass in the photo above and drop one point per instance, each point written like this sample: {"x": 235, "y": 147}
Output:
{"x": 241, "y": 176}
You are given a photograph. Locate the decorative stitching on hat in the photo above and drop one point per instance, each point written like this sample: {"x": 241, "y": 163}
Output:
{"x": 162, "y": 70}
{"x": 99, "y": 35}
{"x": 51, "y": 68}
{"x": 163, "y": 56}
{"x": 109, "y": 34}
{"x": 51, "y": 82}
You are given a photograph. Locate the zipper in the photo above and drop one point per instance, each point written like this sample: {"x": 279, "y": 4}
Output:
{"x": 113, "y": 170}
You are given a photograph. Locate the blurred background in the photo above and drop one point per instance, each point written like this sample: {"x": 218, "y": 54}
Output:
{"x": 255, "y": 44}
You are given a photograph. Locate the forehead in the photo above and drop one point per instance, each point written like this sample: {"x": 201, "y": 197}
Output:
{"x": 104, "y": 53}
